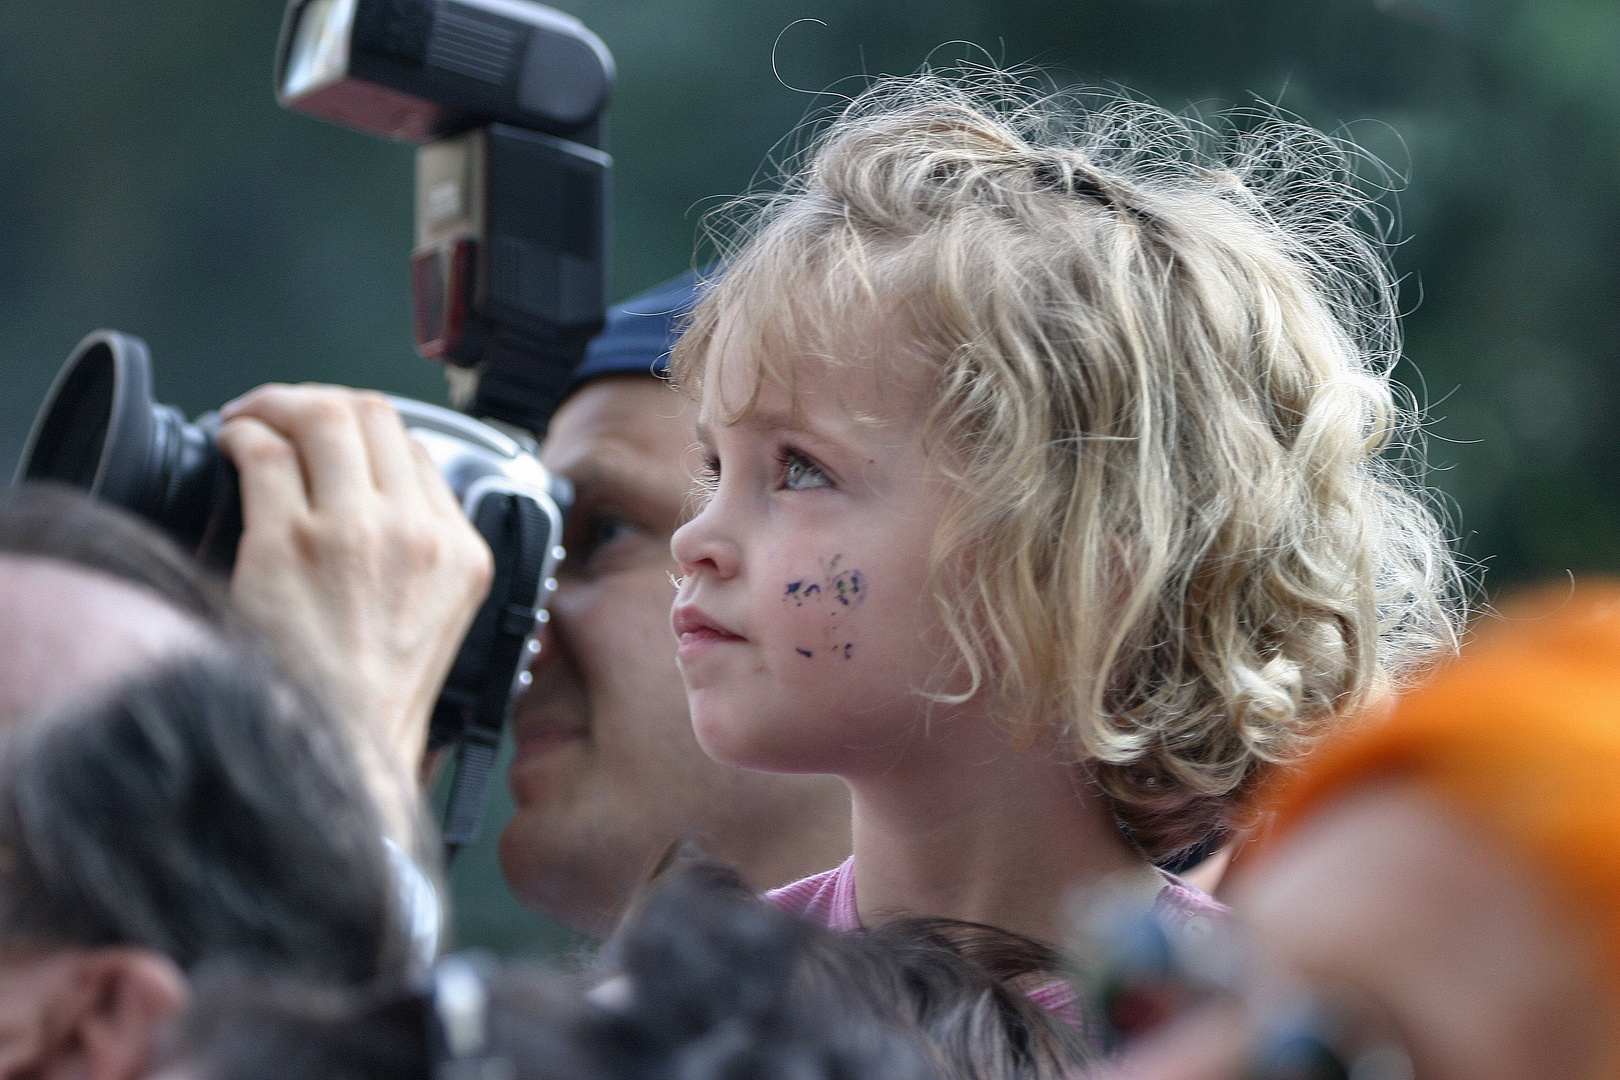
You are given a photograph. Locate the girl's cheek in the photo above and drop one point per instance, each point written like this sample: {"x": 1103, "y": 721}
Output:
{"x": 821, "y": 607}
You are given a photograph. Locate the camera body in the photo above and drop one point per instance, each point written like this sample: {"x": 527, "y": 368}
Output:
{"x": 99, "y": 430}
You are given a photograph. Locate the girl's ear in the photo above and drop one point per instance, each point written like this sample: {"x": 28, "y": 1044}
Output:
{"x": 123, "y": 1000}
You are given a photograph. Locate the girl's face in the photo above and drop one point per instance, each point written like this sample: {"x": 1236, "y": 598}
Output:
{"x": 804, "y": 623}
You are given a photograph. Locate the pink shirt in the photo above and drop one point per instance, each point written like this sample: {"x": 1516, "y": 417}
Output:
{"x": 828, "y": 899}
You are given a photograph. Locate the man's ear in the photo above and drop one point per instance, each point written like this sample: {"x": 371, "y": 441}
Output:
{"x": 125, "y": 999}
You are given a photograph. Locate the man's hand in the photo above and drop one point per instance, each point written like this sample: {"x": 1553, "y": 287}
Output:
{"x": 356, "y": 560}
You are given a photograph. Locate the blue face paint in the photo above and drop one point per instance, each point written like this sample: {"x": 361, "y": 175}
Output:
{"x": 849, "y": 587}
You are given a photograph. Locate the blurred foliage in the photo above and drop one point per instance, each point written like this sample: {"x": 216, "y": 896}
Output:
{"x": 148, "y": 182}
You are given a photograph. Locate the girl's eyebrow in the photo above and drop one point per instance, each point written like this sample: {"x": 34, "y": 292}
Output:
{"x": 773, "y": 420}
{"x": 765, "y": 420}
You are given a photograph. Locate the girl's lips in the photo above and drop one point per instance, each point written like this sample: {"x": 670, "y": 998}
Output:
{"x": 696, "y": 631}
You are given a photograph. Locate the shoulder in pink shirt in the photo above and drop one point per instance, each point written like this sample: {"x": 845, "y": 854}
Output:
{"x": 828, "y": 899}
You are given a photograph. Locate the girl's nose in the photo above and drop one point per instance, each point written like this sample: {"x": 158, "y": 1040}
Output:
{"x": 704, "y": 544}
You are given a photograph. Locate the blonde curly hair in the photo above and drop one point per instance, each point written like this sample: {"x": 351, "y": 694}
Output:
{"x": 1185, "y": 525}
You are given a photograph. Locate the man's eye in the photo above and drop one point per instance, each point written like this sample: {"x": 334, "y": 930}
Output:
{"x": 799, "y": 473}
{"x": 594, "y": 537}
{"x": 605, "y": 530}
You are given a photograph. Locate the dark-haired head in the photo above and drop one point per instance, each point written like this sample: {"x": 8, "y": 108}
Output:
{"x": 959, "y": 989}
{"x": 702, "y": 982}
{"x": 205, "y": 809}
{"x": 707, "y": 984}
{"x": 49, "y": 521}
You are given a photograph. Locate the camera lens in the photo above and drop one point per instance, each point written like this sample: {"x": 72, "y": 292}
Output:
{"x": 99, "y": 430}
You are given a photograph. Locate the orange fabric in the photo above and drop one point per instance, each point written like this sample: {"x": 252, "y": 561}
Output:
{"x": 1521, "y": 734}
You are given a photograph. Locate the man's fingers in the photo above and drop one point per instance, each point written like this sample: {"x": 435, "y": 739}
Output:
{"x": 272, "y": 479}
{"x": 388, "y": 446}
{"x": 323, "y": 426}
{"x": 476, "y": 560}
{"x": 430, "y": 480}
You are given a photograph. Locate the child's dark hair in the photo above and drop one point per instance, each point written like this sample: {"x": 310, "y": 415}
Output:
{"x": 703, "y": 982}
{"x": 712, "y": 994}
{"x": 959, "y": 988}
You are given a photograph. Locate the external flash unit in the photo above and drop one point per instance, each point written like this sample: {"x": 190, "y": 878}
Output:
{"x": 506, "y": 100}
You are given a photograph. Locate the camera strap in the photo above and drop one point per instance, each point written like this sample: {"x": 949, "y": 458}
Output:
{"x": 518, "y": 536}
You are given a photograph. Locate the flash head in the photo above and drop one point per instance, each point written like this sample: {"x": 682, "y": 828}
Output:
{"x": 419, "y": 70}
{"x": 505, "y": 100}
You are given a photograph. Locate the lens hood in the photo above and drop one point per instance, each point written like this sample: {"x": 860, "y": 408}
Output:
{"x": 99, "y": 430}
{"x": 95, "y": 424}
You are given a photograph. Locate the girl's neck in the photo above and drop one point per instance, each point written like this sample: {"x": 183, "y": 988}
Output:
{"x": 969, "y": 828}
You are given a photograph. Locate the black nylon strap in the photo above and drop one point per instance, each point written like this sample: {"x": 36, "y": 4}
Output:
{"x": 524, "y": 537}
{"x": 464, "y": 817}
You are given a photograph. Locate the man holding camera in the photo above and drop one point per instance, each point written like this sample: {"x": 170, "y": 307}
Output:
{"x": 381, "y": 569}
{"x": 357, "y": 561}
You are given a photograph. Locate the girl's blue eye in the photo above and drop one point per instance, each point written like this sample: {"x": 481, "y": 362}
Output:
{"x": 799, "y": 473}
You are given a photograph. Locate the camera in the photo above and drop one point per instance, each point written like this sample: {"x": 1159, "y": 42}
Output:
{"x": 506, "y": 100}
{"x": 99, "y": 430}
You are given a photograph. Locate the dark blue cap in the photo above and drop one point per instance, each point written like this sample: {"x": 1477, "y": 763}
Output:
{"x": 640, "y": 332}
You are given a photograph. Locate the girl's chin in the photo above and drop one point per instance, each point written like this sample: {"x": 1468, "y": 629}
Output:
{"x": 753, "y": 742}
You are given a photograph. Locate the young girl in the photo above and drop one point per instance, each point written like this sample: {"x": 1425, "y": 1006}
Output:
{"x": 1047, "y": 506}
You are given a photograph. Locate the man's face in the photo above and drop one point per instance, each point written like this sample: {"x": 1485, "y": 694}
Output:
{"x": 607, "y": 773}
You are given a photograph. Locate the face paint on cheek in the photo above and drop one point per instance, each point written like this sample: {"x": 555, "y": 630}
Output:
{"x": 801, "y": 591}
{"x": 831, "y": 596}
{"x": 849, "y": 588}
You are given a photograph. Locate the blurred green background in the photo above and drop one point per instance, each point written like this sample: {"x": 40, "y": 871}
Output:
{"x": 149, "y": 183}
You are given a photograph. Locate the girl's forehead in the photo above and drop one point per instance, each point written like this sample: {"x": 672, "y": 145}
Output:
{"x": 858, "y": 364}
